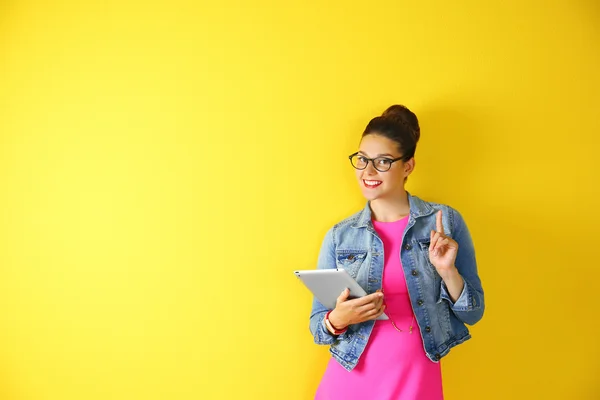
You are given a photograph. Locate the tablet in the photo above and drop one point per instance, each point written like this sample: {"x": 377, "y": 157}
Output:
{"x": 327, "y": 285}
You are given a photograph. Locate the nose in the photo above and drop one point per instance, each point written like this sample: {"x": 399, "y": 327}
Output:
{"x": 370, "y": 170}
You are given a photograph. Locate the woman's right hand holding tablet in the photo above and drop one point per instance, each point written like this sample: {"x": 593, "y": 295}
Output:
{"x": 349, "y": 312}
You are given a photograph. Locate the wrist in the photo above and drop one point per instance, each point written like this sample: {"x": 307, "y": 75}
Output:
{"x": 332, "y": 327}
{"x": 450, "y": 274}
{"x": 335, "y": 321}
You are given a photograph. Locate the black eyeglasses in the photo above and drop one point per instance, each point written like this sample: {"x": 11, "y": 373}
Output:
{"x": 381, "y": 164}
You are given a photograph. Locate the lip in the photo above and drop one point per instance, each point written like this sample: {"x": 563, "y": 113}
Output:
{"x": 364, "y": 181}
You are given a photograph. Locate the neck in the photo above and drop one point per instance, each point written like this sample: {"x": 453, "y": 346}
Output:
{"x": 390, "y": 209}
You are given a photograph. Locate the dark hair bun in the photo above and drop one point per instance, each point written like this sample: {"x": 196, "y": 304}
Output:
{"x": 400, "y": 125}
{"x": 403, "y": 115}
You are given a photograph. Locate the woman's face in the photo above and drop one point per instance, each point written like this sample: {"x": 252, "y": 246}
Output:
{"x": 375, "y": 184}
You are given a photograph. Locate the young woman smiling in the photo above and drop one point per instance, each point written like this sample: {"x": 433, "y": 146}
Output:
{"x": 416, "y": 261}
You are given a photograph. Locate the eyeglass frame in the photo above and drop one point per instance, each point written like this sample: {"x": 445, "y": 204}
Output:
{"x": 372, "y": 160}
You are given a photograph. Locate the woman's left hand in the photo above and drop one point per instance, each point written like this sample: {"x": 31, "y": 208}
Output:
{"x": 442, "y": 249}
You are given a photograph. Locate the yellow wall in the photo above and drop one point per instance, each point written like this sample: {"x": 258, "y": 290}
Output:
{"x": 165, "y": 166}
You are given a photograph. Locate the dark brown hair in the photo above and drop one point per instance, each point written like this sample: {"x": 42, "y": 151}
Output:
{"x": 399, "y": 124}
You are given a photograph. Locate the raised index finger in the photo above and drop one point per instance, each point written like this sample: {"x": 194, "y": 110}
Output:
{"x": 440, "y": 227}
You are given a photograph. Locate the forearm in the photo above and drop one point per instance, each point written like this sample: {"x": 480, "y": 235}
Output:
{"x": 321, "y": 334}
{"x": 465, "y": 300}
{"x": 336, "y": 321}
{"x": 454, "y": 283}
{"x": 318, "y": 329}
{"x": 468, "y": 303}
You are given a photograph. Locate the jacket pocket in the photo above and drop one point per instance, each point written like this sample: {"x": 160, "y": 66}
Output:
{"x": 424, "y": 254}
{"x": 350, "y": 260}
{"x": 433, "y": 278}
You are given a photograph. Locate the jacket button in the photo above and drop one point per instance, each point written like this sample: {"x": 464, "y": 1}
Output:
{"x": 420, "y": 302}
{"x": 437, "y": 356}
{"x": 427, "y": 329}
{"x": 414, "y": 272}
{"x": 407, "y": 246}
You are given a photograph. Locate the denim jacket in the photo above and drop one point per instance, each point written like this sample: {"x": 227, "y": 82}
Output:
{"x": 354, "y": 245}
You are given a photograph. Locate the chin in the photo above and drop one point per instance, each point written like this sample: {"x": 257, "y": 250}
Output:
{"x": 370, "y": 195}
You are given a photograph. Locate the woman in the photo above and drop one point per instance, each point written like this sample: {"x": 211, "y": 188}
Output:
{"x": 415, "y": 259}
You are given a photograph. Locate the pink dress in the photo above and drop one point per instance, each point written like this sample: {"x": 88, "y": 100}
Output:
{"x": 394, "y": 365}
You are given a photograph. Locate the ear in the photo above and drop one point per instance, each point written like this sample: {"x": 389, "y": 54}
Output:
{"x": 409, "y": 166}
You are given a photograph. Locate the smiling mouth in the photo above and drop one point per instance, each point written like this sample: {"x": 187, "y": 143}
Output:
{"x": 371, "y": 184}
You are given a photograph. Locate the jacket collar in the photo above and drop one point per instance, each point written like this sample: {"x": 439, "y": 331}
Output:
{"x": 418, "y": 208}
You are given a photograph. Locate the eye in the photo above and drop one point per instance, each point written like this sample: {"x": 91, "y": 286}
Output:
{"x": 362, "y": 159}
{"x": 383, "y": 162}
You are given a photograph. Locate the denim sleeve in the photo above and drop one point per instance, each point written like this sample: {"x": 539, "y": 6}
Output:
{"x": 317, "y": 326}
{"x": 470, "y": 305}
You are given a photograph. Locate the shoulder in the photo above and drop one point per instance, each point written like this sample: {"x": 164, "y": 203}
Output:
{"x": 341, "y": 228}
{"x": 451, "y": 217}
{"x": 349, "y": 221}
{"x": 423, "y": 206}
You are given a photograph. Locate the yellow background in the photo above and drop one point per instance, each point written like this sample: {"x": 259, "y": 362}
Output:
{"x": 165, "y": 166}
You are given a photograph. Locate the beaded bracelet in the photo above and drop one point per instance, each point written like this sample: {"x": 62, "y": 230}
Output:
{"x": 330, "y": 326}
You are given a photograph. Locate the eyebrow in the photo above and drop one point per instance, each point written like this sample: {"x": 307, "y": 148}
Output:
{"x": 378, "y": 155}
